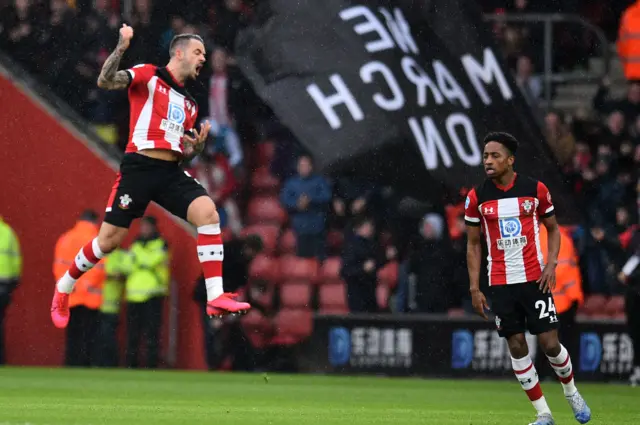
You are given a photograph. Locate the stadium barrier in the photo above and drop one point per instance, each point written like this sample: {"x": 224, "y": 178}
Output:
{"x": 441, "y": 347}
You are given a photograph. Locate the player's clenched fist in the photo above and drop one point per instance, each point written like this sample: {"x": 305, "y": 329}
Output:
{"x": 126, "y": 34}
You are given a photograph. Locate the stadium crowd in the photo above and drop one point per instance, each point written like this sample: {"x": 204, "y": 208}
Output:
{"x": 264, "y": 184}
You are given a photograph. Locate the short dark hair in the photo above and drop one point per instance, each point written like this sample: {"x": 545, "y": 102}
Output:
{"x": 505, "y": 139}
{"x": 181, "y": 40}
{"x": 254, "y": 242}
{"x": 151, "y": 220}
{"x": 89, "y": 215}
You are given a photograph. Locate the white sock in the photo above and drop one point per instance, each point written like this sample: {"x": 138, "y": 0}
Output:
{"x": 561, "y": 364}
{"x": 528, "y": 377}
{"x": 66, "y": 283}
{"x": 214, "y": 287}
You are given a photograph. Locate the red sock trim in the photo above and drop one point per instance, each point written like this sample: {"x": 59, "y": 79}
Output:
{"x": 561, "y": 365}
{"x": 525, "y": 370}
{"x": 212, "y": 269}
{"x": 567, "y": 379}
{"x": 534, "y": 393}
{"x": 209, "y": 239}
{"x": 88, "y": 252}
{"x": 74, "y": 271}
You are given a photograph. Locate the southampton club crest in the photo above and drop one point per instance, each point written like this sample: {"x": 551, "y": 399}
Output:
{"x": 125, "y": 201}
{"x": 527, "y": 206}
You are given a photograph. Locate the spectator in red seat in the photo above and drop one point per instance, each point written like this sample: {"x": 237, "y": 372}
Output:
{"x": 306, "y": 197}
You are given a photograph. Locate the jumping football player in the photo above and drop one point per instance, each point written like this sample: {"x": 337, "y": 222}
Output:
{"x": 162, "y": 116}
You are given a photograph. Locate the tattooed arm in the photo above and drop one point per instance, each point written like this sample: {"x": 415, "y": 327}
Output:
{"x": 193, "y": 146}
{"x": 191, "y": 149}
{"x": 110, "y": 78}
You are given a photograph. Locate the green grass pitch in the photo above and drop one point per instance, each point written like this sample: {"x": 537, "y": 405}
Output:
{"x": 38, "y": 396}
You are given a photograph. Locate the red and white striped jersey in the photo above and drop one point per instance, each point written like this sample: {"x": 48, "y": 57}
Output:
{"x": 161, "y": 110}
{"x": 510, "y": 220}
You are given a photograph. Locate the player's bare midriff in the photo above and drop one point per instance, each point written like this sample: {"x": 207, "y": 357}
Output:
{"x": 163, "y": 154}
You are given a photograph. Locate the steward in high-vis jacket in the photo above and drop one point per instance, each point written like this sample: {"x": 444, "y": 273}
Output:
{"x": 10, "y": 272}
{"x": 146, "y": 287}
{"x": 117, "y": 267}
{"x": 628, "y": 43}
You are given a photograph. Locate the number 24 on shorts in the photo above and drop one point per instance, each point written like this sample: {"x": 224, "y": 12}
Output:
{"x": 545, "y": 310}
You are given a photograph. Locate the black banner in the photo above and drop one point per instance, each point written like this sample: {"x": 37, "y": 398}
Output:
{"x": 452, "y": 348}
{"x": 399, "y": 91}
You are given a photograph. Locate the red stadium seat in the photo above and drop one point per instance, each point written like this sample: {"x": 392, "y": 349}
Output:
{"x": 266, "y": 210}
{"x": 620, "y": 315}
{"x": 263, "y": 182}
{"x": 593, "y": 304}
{"x": 264, "y": 267}
{"x": 264, "y": 152}
{"x": 266, "y": 297}
{"x": 335, "y": 311}
{"x": 295, "y": 295}
{"x": 292, "y": 326}
{"x": 456, "y": 312}
{"x": 330, "y": 271}
{"x": 614, "y": 305}
{"x": 297, "y": 269}
{"x": 268, "y": 232}
{"x": 388, "y": 275}
{"x": 258, "y": 329}
{"x": 599, "y": 316}
{"x": 287, "y": 242}
{"x": 333, "y": 299}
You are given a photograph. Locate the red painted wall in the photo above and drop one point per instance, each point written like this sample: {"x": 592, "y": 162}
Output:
{"x": 48, "y": 177}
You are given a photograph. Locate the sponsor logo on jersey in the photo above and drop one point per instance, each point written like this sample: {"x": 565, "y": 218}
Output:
{"x": 176, "y": 113}
{"x": 172, "y": 128}
{"x": 511, "y": 234}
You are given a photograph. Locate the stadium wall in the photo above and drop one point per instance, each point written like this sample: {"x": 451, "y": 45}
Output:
{"x": 49, "y": 175}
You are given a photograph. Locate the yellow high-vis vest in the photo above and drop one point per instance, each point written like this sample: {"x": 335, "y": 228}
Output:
{"x": 149, "y": 275}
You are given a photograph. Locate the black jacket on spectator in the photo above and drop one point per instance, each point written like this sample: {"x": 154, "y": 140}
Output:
{"x": 361, "y": 286}
{"x": 432, "y": 263}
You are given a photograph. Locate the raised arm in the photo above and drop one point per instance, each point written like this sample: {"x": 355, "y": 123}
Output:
{"x": 110, "y": 78}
